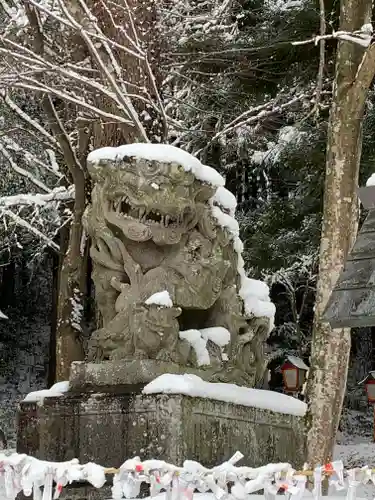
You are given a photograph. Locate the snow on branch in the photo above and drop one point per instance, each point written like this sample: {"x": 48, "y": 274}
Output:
{"x": 267, "y": 109}
{"x": 33, "y": 123}
{"x": 32, "y": 229}
{"x": 108, "y": 81}
{"x": 24, "y": 173}
{"x": 57, "y": 194}
{"x": 87, "y": 82}
{"x": 361, "y": 37}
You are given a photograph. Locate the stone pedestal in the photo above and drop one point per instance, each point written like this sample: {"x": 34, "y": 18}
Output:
{"x": 125, "y": 376}
{"x": 109, "y": 426}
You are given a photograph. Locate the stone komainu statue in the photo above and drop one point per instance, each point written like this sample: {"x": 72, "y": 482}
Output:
{"x": 161, "y": 227}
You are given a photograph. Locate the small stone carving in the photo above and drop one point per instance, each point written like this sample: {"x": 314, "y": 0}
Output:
{"x": 159, "y": 230}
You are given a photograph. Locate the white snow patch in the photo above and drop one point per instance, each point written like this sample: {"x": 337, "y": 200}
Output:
{"x": 56, "y": 195}
{"x": 254, "y": 293}
{"x": 55, "y": 391}
{"x": 217, "y": 334}
{"x": 258, "y": 157}
{"x": 38, "y": 396}
{"x": 225, "y": 199}
{"x": 225, "y": 221}
{"x": 162, "y": 299}
{"x": 191, "y": 385}
{"x": 284, "y": 5}
{"x": 256, "y": 297}
{"x": 60, "y": 386}
{"x": 367, "y": 28}
{"x": 371, "y": 180}
{"x": 298, "y": 362}
{"x": 198, "y": 343}
{"x": 3, "y": 316}
{"x": 77, "y": 310}
{"x": 160, "y": 152}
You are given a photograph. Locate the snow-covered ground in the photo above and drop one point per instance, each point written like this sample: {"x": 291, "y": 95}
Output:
{"x": 355, "y": 445}
{"x": 358, "y": 453}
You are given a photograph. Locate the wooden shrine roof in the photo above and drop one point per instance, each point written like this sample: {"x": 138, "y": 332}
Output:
{"x": 352, "y": 303}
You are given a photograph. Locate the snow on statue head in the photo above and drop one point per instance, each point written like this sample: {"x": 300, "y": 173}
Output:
{"x": 168, "y": 271}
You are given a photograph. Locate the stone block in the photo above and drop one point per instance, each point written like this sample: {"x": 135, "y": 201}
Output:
{"x": 108, "y": 428}
{"x": 125, "y": 376}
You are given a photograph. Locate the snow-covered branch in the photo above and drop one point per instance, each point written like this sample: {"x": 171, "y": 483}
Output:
{"x": 362, "y": 37}
{"x": 266, "y": 110}
{"x": 32, "y": 70}
{"x": 104, "y": 78}
{"x": 57, "y": 194}
{"x": 32, "y": 229}
{"x": 29, "y": 121}
{"x": 19, "y": 170}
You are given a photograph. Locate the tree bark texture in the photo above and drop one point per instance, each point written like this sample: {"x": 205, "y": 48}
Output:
{"x": 72, "y": 286}
{"x": 331, "y": 348}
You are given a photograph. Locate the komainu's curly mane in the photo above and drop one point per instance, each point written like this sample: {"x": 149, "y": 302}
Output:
{"x": 161, "y": 226}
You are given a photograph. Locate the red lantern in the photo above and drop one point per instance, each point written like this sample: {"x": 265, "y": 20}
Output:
{"x": 370, "y": 387}
{"x": 294, "y": 374}
{"x": 290, "y": 376}
{"x": 369, "y": 382}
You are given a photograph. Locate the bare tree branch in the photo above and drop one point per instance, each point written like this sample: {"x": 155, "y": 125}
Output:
{"x": 23, "y": 223}
{"x": 22, "y": 171}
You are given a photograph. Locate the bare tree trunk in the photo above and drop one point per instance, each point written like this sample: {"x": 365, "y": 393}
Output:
{"x": 69, "y": 346}
{"x": 331, "y": 348}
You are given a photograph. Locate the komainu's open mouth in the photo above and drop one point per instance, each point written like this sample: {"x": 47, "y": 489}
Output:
{"x": 124, "y": 207}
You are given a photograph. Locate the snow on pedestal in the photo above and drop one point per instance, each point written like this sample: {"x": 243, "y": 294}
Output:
{"x": 175, "y": 417}
{"x": 55, "y": 391}
{"x": 193, "y": 386}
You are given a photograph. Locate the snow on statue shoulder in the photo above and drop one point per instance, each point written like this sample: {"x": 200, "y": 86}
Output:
{"x": 167, "y": 262}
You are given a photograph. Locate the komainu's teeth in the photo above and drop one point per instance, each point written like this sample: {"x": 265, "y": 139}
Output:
{"x": 167, "y": 219}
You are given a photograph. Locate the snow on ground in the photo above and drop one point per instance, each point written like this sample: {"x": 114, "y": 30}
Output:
{"x": 355, "y": 445}
{"x": 357, "y": 455}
